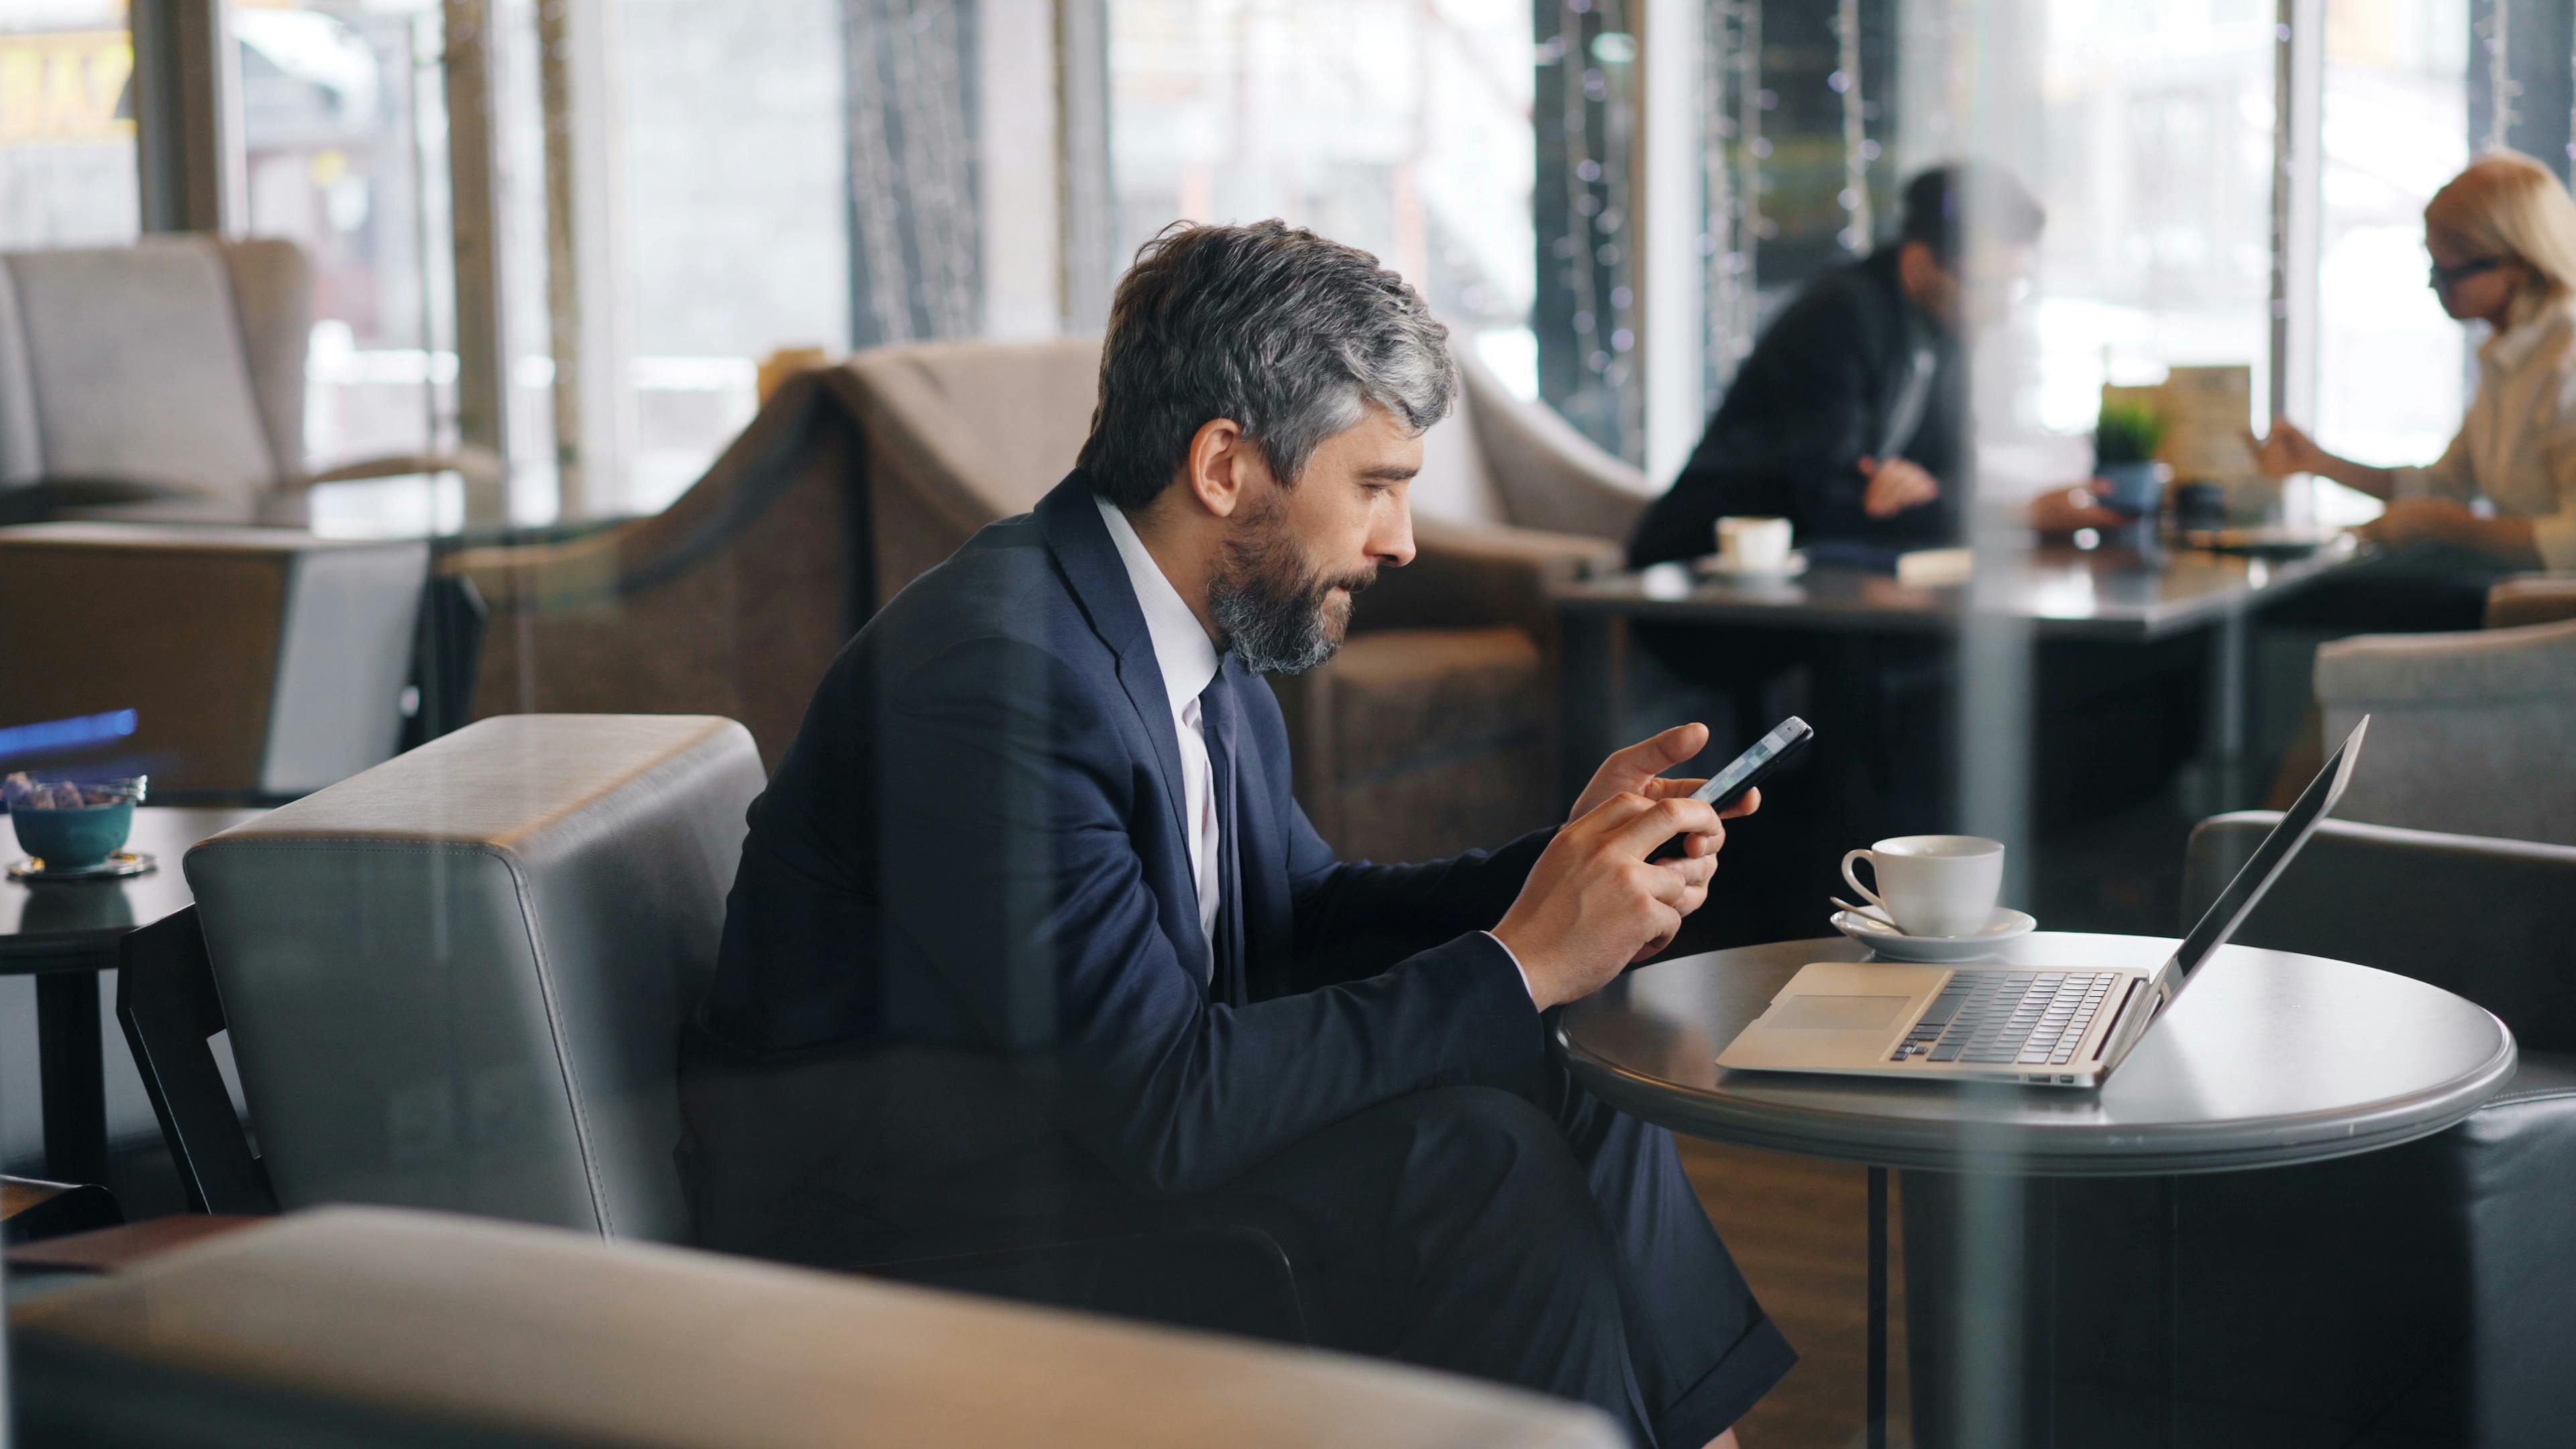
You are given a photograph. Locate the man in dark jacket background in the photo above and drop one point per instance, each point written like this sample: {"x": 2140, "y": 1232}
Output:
{"x": 1850, "y": 417}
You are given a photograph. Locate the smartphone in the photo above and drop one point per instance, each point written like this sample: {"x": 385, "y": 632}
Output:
{"x": 1747, "y": 770}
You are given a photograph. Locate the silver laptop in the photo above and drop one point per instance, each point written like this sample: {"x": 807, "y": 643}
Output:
{"x": 2057, "y": 1026}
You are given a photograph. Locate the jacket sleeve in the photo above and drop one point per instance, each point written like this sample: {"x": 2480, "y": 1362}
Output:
{"x": 1793, "y": 443}
{"x": 1011, "y": 869}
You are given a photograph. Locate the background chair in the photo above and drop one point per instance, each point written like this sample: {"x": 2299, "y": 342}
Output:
{"x": 355, "y": 1326}
{"x": 2531, "y": 599}
{"x": 259, "y": 663}
{"x": 457, "y": 981}
{"x": 169, "y": 369}
{"x": 2416, "y": 1295}
{"x": 2471, "y": 733}
{"x": 1432, "y": 731}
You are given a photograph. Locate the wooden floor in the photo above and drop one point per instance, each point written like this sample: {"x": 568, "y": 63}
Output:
{"x": 1799, "y": 1230}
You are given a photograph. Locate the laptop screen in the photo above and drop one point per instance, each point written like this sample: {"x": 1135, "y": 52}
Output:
{"x": 2228, "y": 912}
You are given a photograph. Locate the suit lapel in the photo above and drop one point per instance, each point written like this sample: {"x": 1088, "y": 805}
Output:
{"x": 1071, "y": 524}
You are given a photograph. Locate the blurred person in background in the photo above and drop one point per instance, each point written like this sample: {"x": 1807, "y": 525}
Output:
{"x": 2502, "y": 236}
{"x": 1849, "y": 419}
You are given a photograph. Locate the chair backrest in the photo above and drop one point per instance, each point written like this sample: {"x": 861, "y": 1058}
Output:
{"x": 177, "y": 360}
{"x": 457, "y": 980}
{"x": 2470, "y": 733}
{"x": 2488, "y": 919}
{"x": 963, "y": 433}
{"x": 258, "y": 662}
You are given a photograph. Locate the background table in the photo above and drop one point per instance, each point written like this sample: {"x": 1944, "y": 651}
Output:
{"x": 64, "y": 934}
{"x": 2114, "y": 594}
{"x": 2269, "y": 1058}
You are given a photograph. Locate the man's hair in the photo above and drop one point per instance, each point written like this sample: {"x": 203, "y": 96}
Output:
{"x": 1270, "y": 325}
{"x": 1939, "y": 201}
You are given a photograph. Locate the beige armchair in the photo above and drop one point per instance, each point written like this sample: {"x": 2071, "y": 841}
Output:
{"x": 169, "y": 369}
{"x": 1432, "y": 731}
{"x": 352, "y": 1326}
{"x": 2531, "y": 599}
{"x": 2471, "y": 733}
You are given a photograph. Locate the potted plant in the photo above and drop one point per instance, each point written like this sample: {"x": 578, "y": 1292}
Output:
{"x": 2125, "y": 439}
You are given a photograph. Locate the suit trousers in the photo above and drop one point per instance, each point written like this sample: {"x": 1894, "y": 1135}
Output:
{"x": 1523, "y": 1232}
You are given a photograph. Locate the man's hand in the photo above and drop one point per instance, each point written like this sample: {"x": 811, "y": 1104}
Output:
{"x": 2064, "y": 510}
{"x": 2286, "y": 450}
{"x": 1639, "y": 770}
{"x": 1895, "y": 486}
{"x": 1594, "y": 904}
{"x": 2418, "y": 520}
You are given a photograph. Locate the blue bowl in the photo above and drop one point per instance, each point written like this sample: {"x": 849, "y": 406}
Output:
{"x": 70, "y": 839}
{"x": 2136, "y": 489}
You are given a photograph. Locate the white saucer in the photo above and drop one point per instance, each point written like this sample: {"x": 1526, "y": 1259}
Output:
{"x": 1715, "y": 566}
{"x": 1880, "y": 935}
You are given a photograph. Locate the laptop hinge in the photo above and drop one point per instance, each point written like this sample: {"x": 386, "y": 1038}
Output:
{"x": 2119, "y": 1018}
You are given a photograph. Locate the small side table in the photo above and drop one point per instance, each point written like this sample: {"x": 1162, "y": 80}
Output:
{"x": 64, "y": 934}
{"x": 2270, "y": 1058}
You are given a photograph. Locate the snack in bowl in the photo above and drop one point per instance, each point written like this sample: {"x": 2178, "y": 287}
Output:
{"x": 71, "y": 824}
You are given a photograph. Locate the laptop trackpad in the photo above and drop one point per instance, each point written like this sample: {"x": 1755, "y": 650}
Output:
{"x": 1836, "y": 1013}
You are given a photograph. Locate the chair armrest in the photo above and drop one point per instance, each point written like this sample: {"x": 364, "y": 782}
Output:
{"x": 353, "y": 1325}
{"x": 2527, "y": 662}
{"x": 1551, "y": 476}
{"x": 477, "y": 464}
{"x": 2472, "y": 914}
{"x": 2531, "y": 599}
{"x": 1479, "y": 575}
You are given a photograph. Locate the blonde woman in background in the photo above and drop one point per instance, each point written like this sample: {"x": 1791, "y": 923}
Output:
{"x": 2503, "y": 239}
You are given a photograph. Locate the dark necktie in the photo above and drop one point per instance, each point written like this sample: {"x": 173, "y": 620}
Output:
{"x": 1225, "y": 945}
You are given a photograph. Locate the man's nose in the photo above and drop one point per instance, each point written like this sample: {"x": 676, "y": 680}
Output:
{"x": 1392, "y": 542}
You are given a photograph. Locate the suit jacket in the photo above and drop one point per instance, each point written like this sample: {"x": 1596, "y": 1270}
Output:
{"x": 1814, "y": 398}
{"x": 963, "y": 984}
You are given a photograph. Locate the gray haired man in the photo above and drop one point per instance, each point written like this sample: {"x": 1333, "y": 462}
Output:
{"x": 1032, "y": 943}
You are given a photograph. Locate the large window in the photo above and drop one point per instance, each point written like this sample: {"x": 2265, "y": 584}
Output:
{"x": 67, "y": 173}
{"x": 2158, "y": 127}
{"x": 2390, "y": 368}
{"x": 343, "y": 129}
{"x": 736, "y": 216}
{"x": 1399, "y": 126}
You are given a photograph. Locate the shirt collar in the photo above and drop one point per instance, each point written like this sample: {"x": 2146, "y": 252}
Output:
{"x": 1182, "y": 649}
{"x": 2506, "y": 350}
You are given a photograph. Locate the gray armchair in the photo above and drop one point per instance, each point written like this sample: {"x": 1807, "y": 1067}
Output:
{"x": 2416, "y": 1295}
{"x": 171, "y": 369}
{"x": 362, "y": 1326}
{"x": 2472, "y": 733}
{"x": 1431, "y": 732}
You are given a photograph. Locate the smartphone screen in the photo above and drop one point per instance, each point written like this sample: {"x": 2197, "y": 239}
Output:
{"x": 1741, "y": 772}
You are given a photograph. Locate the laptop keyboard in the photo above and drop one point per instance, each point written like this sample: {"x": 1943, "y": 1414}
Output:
{"x": 2026, "y": 1018}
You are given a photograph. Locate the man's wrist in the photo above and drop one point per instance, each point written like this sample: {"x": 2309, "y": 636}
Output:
{"x": 1515, "y": 958}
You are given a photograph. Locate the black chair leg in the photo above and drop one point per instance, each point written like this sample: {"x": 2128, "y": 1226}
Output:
{"x": 166, "y": 1002}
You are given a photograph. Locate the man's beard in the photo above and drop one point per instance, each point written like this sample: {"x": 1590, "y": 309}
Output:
{"x": 1278, "y": 615}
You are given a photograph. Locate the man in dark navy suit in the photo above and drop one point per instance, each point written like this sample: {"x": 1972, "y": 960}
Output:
{"x": 1030, "y": 937}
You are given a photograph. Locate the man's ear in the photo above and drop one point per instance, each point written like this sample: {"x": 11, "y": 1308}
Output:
{"x": 1220, "y": 466}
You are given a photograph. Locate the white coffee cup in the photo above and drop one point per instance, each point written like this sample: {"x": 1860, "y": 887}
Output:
{"x": 1753, "y": 543}
{"x": 1933, "y": 885}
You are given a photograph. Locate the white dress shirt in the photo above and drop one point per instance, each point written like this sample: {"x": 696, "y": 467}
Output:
{"x": 2517, "y": 446}
{"x": 1183, "y": 652}
{"x": 1188, "y": 661}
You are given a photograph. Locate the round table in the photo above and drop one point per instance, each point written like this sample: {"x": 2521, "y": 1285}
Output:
{"x": 64, "y": 933}
{"x": 2268, "y": 1058}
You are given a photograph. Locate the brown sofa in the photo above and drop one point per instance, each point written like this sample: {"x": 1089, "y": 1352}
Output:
{"x": 1432, "y": 731}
